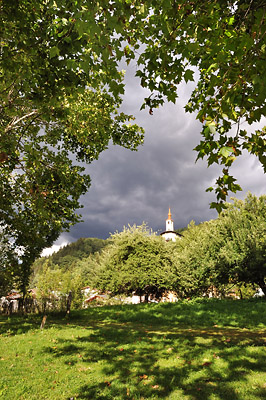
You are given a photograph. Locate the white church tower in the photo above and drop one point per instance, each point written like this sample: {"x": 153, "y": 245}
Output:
{"x": 169, "y": 233}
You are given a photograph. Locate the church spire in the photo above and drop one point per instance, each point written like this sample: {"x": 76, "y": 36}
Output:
{"x": 169, "y": 233}
{"x": 169, "y": 222}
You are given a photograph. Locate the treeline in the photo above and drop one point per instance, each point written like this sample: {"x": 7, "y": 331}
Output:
{"x": 82, "y": 248}
{"x": 227, "y": 252}
{"x": 69, "y": 269}
{"x": 68, "y": 256}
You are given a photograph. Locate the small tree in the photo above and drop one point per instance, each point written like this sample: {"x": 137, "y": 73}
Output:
{"x": 194, "y": 260}
{"x": 230, "y": 249}
{"x": 137, "y": 262}
{"x": 54, "y": 101}
{"x": 53, "y": 286}
{"x": 242, "y": 254}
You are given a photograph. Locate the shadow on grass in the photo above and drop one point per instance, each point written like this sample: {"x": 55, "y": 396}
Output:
{"x": 137, "y": 362}
{"x": 143, "y": 364}
{"x": 199, "y": 312}
{"x": 190, "y": 351}
{"x": 206, "y": 312}
{"x": 16, "y": 324}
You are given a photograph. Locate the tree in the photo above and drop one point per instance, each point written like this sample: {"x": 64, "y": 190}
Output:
{"x": 53, "y": 287}
{"x": 194, "y": 257}
{"x": 241, "y": 232}
{"x": 228, "y": 250}
{"x": 60, "y": 61}
{"x": 136, "y": 262}
{"x": 8, "y": 265}
{"x": 53, "y": 102}
{"x": 54, "y": 282}
{"x": 80, "y": 249}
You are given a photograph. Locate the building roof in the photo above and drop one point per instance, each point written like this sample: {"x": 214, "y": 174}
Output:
{"x": 176, "y": 233}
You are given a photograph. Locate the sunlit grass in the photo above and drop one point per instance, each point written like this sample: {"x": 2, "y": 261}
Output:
{"x": 191, "y": 350}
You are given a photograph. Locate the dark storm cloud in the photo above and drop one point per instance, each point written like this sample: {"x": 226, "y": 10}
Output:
{"x": 132, "y": 187}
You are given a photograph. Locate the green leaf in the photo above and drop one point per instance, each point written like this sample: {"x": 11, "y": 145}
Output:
{"x": 228, "y": 34}
{"x": 172, "y": 96}
{"x": 212, "y": 128}
{"x": 188, "y": 75}
{"x": 213, "y": 66}
{"x": 54, "y": 51}
{"x": 231, "y": 20}
{"x": 225, "y": 151}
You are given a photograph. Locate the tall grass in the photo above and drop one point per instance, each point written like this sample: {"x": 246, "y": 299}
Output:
{"x": 205, "y": 349}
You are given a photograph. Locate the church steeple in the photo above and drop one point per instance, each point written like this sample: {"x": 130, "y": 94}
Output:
{"x": 169, "y": 222}
{"x": 169, "y": 233}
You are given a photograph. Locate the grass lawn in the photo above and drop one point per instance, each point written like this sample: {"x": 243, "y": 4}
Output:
{"x": 204, "y": 349}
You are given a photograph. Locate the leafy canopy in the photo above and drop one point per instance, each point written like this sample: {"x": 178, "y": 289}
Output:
{"x": 54, "y": 101}
{"x": 61, "y": 87}
{"x": 222, "y": 253}
{"x": 228, "y": 250}
{"x": 224, "y": 43}
{"x": 241, "y": 256}
{"x": 137, "y": 261}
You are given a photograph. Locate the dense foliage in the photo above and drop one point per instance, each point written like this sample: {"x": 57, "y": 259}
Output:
{"x": 217, "y": 256}
{"x": 70, "y": 269}
{"x": 53, "y": 102}
{"x": 230, "y": 250}
{"x": 9, "y": 268}
{"x": 136, "y": 262}
{"x": 241, "y": 251}
{"x": 82, "y": 248}
{"x": 62, "y": 87}
{"x": 50, "y": 47}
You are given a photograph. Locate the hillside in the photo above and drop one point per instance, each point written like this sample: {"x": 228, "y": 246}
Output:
{"x": 73, "y": 257}
{"x": 82, "y": 248}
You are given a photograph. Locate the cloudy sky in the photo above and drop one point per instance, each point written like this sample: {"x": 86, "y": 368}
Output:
{"x": 132, "y": 187}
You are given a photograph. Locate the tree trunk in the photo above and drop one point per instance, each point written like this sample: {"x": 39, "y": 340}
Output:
{"x": 43, "y": 321}
{"x": 69, "y": 300}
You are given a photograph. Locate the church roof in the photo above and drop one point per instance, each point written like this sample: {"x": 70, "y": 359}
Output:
{"x": 176, "y": 233}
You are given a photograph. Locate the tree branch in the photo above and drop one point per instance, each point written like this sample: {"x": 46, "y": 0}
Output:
{"x": 17, "y": 121}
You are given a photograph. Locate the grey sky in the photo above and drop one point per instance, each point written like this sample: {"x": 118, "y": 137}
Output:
{"x": 132, "y": 187}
